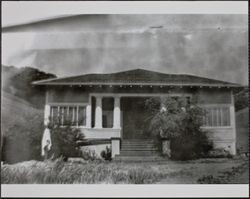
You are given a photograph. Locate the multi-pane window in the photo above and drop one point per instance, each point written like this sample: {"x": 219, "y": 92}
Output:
{"x": 73, "y": 115}
{"x": 216, "y": 117}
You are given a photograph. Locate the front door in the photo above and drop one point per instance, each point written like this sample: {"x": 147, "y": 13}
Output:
{"x": 135, "y": 118}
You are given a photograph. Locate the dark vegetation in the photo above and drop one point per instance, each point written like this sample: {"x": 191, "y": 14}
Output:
{"x": 179, "y": 120}
{"x": 242, "y": 99}
{"x": 65, "y": 141}
{"x": 17, "y": 81}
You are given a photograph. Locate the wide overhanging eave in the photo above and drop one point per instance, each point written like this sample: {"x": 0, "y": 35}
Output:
{"x": 137, "y": 84}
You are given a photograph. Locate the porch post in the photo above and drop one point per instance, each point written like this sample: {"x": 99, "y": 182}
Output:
{"x": 46, "y": 114}
{"x": 98, "y": 112}
{"x": 117, "y": 113}
{"x": 88, "y": 116}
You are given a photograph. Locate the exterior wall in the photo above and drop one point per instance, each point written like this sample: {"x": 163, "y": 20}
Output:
{"x": 67, "y": 95}
{"x": 222, "y": 137}
{"x": 102, "y": 133}
{"x": 214, "y": 96}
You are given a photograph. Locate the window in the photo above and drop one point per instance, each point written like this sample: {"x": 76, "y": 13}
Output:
{"x": 74, "y": 115}
{"x": 216, "y": 116}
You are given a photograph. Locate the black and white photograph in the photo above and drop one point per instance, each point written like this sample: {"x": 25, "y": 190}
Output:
{"x": 103, "y": 98}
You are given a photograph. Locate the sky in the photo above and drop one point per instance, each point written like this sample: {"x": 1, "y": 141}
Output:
{"x": 213, "y": 46}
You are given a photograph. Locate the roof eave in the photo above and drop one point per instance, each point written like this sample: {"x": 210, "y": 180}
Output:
{"x": 134, "y": 84}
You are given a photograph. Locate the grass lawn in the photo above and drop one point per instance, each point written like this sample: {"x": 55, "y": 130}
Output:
{"x": 167, "y": 172}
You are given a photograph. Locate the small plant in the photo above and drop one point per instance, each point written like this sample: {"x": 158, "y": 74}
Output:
{"x": 88, "y": 154}
{"x": 106, "y": 154}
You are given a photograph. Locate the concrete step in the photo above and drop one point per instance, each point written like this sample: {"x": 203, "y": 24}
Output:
{"x": 139, "y": 153}
{"x": 121, "y": 158}
{"x": 139, "y": 146}
{"x": 138, "y": 142}
{"x": 133, "y": 140}
{"x": 136, "y": 149}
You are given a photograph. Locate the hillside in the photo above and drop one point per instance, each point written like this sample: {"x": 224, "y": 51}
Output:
{"x": 21, "y": 113}
{"x": 16, "y": 110}
{"x": 17, "y": 81}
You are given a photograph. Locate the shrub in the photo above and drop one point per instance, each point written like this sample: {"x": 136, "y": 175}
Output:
{"x": 190, "y": 146}
{"x": 179, "y": 120}
{"x": 106, "y": 154}
{"x": 65, "y": 141}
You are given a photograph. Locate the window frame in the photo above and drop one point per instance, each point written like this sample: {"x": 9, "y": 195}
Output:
{"x": 77, "y": 105}
{"x": 220, "y": 106}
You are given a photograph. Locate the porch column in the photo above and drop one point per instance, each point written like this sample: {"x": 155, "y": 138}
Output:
{"x": 88, "y": 116}
{"x": 46, "y": 114}
{"x": 117, "y": 113}
{"x": 98, "y": 112}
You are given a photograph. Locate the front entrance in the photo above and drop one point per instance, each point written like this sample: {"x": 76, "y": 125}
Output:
{"x": 135, "y": 118}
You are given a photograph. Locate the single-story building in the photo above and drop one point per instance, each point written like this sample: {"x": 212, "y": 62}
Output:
{"x": 108, "y": 108}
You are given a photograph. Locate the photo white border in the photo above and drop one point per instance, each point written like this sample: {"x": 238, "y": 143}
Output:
{"x": 125, "y": 190}
{"x": 133, "y": 7}
{"x": 51, "y": 8}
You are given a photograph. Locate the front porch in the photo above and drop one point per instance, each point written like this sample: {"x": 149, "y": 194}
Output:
{"x": 111, "y": 120}
{"x": 125, "y": 121}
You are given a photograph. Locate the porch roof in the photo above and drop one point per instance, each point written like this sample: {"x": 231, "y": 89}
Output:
{"x": 137, "y": 77}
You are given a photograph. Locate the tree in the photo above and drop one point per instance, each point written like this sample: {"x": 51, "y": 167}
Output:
{"x": 242, "y": 99}
{"x": 179, "y": 119}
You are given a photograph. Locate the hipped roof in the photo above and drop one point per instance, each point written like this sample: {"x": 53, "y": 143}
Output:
{"x": 137, "y": 77}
